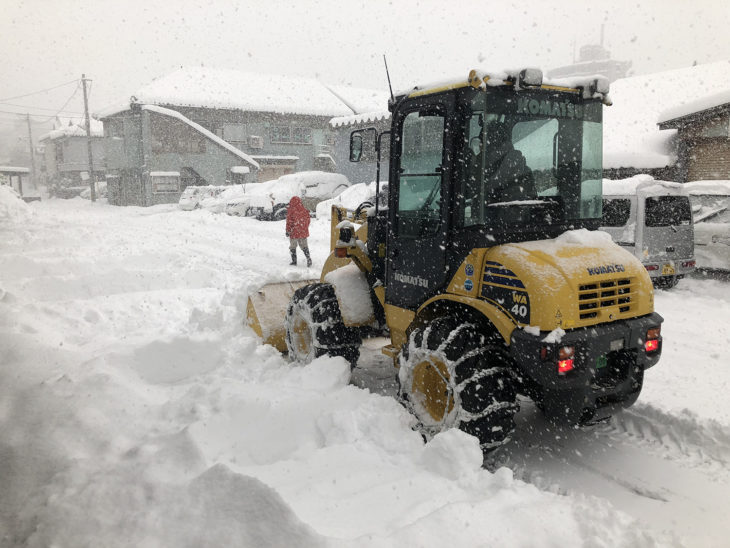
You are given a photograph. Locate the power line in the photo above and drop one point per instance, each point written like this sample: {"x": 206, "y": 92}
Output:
{"x": 47, "y": 117}
{"x": 42, "y": 108}
{"x": 41, "y": 91}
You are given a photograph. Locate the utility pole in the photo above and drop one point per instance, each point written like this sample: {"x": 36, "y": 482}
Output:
{"x": 92, "y": 185}
{"x": 32, "y": 159}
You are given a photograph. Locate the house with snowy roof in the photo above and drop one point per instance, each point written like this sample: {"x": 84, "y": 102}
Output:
{"x": 65, "y": 160}
{"x": 217, "y": 126}
{"x": 658, "y": 124}
{"x": 703, "y": 136}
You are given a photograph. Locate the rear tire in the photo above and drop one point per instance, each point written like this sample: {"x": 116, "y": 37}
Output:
{"x": 314, "y": 326}
{"x": 452, "y": 375}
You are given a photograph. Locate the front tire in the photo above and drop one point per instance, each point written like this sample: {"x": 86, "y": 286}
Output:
{"x": 452, "y": 375}
{"x": 314, "y": 326}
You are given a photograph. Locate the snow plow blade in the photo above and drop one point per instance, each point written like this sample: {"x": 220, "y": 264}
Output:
{"x": 266, "y": 310}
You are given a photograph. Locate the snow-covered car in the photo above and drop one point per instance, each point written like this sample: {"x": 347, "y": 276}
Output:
{"x": 653, "y": 220}
{"x": 193, "y": 196}
{"x": 352, "y": 197}
{"x": 249, "y": 205}
{"x": 711, "y": 209}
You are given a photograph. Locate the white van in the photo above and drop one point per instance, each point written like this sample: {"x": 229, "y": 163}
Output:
{"x": 653, "y": 220}
{"x": 711, "y": 212}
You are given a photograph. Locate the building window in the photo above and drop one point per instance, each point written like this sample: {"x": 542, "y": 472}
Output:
{"x": 114, "y": 128}
{"x": 59, "y": 152}
{"x": 169, "y": 135}
{"x": 280, "y": 134}
{"x": 165, "y": 181}
{"x": 302, "y": 135}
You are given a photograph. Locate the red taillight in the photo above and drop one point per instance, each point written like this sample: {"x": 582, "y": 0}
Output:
{"x": 652, "y": 267}
{"x": 341, "y": 252}
{"x": 688, "y": 264}
{"x": 651, "y": 346}
{"x": 565, "y": 365}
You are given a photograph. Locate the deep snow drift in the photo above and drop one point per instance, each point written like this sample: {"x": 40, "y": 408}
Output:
{"x": 137, "y": 410}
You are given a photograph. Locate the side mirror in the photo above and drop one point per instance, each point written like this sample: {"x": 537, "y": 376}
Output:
{"x": 355, "y": 146}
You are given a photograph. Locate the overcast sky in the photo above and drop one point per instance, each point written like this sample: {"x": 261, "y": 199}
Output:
{"x": 121, "y": 45}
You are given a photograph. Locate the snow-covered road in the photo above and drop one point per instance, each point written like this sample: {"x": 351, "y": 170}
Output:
{"x": 137, "y": 410}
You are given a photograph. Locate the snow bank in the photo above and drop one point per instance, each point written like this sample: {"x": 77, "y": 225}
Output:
{"x": 12, "y": 206}
{"x": 135, "y": 410}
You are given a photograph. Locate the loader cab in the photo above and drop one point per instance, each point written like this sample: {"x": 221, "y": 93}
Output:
{"x": 475, "y": 167}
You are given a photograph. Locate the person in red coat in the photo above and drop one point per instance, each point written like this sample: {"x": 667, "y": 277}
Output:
{"x": 297, "y": 229}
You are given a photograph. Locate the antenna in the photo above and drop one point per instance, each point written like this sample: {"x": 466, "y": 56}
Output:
{"x": 388, "y": 75}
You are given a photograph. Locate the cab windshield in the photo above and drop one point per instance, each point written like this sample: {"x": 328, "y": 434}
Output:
{"x": 531, "y": 160}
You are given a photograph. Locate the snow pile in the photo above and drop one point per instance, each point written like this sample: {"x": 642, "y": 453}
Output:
{"x": 12, "y": 206}
{"x": 583, "y": 237}
{"x": 135, "y": 410}
{"x": 353, "y": 294}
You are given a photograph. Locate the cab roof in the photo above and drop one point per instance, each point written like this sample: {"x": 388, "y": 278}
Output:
{"x": 591, "y": 86}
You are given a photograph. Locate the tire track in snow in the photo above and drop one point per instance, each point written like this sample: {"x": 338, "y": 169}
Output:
{"x": 644, "y": 462}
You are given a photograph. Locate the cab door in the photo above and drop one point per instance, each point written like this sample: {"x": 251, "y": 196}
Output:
{"x": 419, "y": 203}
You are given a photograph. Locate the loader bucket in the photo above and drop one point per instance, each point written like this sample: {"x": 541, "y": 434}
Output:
{"x": 266, "y": 310}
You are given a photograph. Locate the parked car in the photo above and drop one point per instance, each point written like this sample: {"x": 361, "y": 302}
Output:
{"x": 653, "y": 220}
{"x": 193, "y": 196}
{"x": 711, "y": 211}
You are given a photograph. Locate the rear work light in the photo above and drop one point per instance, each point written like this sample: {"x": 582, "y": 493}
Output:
{"x": 566, "y": 355}
{"x": 652, "y": 267}
{"x": 652, "y": 339}
{"x": 564, "y": 366}
{"x": 688, "y": 264}
{"x": 651, "y": 346}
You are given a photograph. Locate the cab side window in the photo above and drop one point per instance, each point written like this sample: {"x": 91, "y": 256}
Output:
{"x": 419, "y": 191}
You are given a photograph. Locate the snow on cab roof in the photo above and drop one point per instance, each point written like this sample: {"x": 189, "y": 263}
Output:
{"x": 231, "y": 89}
{"x": 644, "y": 184}
{"x": 630, "y": 132}
{"x": 197, "y": 127}
{"x": 499, "y": 78}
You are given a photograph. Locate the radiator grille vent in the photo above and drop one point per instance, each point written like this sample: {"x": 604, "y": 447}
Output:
{"x": 596, "y": 298}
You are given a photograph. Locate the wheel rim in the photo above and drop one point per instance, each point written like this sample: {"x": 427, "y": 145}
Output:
{"x": 430, "y": 383}
{"x": 302, "y": 336}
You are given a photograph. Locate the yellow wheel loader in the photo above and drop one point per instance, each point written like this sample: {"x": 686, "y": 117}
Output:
{"x": 482, "y": 262}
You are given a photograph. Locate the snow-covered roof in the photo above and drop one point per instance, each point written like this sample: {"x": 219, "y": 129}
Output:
{"x": 73, "y": 128}
{"x": 631, "y": 135}
{"x": 231, "y": 89}
{"x": 707, "y": 102}
{"x": 164, "y": 174}
{"x": 708, "y": 187}
{"x": 359, "y": 119}
{"x": 197, "y": 127}
{"x": 644, "y": 184}
{"x": 13, "y": 169}
{"x": 282, "y": 157}
{"x": 361, "y": 99}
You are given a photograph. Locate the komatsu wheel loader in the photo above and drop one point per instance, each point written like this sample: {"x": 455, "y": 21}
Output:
{"x": 483, "y": 263}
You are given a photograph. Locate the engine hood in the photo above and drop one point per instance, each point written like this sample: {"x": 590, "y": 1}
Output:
{"x": 578, "y": 279}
